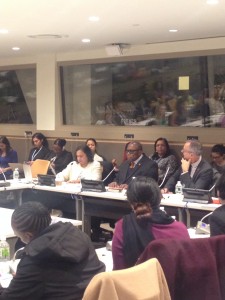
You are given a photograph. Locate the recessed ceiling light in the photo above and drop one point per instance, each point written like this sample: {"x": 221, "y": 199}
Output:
{"x": 4, "y": 31}
{"x": 93, "y": 18}
{"x": 86, "y": 40}
{"x": 47, "y": 36}
{"x": 212, "y": 2}
{"x": 173, "y": 30}
{"x": 15, "y": 48}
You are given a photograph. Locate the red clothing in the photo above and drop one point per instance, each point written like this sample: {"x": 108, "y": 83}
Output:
{"x": 194, "y": 269}
{"x": 175, "y": 230}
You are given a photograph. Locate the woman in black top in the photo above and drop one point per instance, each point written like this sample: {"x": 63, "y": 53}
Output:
{"x": 59, "y": 157}
{"x": 40, "y": 150}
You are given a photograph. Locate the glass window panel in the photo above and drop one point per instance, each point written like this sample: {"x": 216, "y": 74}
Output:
{"x": 18, "y": 96}
{"x": 146, "y": 93}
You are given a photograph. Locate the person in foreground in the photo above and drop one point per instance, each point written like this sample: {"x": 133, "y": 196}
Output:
{"x": 137, "y": 164}
{"x": 58, "y": 260}
{"x": 145, "y": 224}
{"x": 195, "y": 172}
{"x": 217, "y": 218}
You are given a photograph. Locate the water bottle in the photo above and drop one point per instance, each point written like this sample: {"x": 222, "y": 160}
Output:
{"x": 4, "y": 250}
{"x": 178, "y": 188}
{"x": 16, "y": 174}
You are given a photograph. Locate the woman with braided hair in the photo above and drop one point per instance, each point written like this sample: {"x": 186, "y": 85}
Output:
{"x": 145, "y": 224}
{"x": 58, "y": 260}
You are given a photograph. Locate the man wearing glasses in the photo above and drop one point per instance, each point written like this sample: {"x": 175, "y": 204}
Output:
{"x": 137, "y": 164}
{"x": 195, "y": 172}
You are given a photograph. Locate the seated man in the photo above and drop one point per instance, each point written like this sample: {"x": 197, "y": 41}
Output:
{"x": 137, "y": 164}
{"x": 195, "y": 172}
{"x": 58, "y": 260}
{"x": 217, "y": 219}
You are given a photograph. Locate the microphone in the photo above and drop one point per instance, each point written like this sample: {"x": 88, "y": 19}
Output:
{"x": 203, "y": 227}
{"x": 114, "y": 169}
{"x": 4, "y": 183}
{"x": 164, "y": 178}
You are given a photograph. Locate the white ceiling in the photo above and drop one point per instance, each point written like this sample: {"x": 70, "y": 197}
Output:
{"x": 134, "y": 22}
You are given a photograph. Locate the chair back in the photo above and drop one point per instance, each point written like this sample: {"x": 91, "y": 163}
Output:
{"x": 39, "y": 166}
{"x": 143, "y": 282}
{"x": 194, "y": 269}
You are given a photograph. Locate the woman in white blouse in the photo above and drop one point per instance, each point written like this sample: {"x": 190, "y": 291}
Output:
{"x": 83, "y": 167}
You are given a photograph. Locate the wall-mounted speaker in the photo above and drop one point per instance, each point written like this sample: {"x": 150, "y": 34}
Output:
{"x": 114, "y": 50}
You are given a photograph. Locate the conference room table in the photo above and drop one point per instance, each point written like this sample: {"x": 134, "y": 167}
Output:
{"x": 110, "y": 205}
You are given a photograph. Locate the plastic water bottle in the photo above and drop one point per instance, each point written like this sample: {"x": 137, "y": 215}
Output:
{"x": 16, "y": 174}
{"x": 178, "y": 188}
{"x": 4, "y": 250}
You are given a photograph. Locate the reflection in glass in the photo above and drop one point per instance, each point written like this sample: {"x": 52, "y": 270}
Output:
{"x": 145, "y": 93}
{"x": 18, "y": 96}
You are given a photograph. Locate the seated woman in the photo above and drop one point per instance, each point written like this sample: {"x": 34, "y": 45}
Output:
{"x": 106, "y": 165}
{"x": 58, "y": 260}
{"x": 218, "y": 158}
{"x": 167, "y": 162}
{"x": 146, "y": 223}
{"x": 83, "y": 167}
{"x": 40, "y": 150}
{"x": 59, "y": 157}
{"x": 7, "y": 155}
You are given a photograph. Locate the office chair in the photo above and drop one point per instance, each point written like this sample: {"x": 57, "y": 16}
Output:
{"x": 143, "y": 282}
{"x": 39, "y": 166}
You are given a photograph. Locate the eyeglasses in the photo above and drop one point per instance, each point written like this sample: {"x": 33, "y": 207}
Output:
{"x": 131, "y": 151}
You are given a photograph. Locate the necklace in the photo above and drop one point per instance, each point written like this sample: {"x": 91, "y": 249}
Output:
{"x": 35, "y": 153}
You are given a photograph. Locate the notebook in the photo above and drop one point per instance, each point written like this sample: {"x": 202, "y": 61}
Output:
{"x": 197, "y": 195}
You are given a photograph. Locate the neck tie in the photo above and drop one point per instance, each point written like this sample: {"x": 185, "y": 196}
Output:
{"x": 132, "y": 164}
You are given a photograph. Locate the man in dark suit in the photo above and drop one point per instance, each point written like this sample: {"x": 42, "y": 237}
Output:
{"x": 137, "y": 164}
{"x": 195, "y": 172}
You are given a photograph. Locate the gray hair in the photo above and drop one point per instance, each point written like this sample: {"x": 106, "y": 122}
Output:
{"x": 195, "y": 147}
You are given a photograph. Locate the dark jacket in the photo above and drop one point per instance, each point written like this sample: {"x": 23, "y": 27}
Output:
{"x": 145, "y": 167}
{"x": 56, "y": 265}
{"x": 217, "y": 221}
{"x": 202, "y": 179}
{"x": 61, "y": 161}
{"x": 35, "y": 153}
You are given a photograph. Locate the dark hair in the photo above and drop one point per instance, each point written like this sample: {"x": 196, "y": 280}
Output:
{"x": 220, "y": 186}
{"x": 40, "y": 136}
{"x": 155, "y": 155}
{"x": 87, "y": 151}
{"x": 60, "y": 142}
{"x": 218, "y": 148}
{"x": 5, "y": 141}
{"x": 93, "y": 140}
{"x": 144, "y": 195}
{"x": 32, "y": 217}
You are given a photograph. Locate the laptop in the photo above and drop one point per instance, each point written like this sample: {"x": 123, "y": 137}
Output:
{"x": 27, "y": 172}
{"x": 18, "y": 166}
{"x": 197, "y": 195}
{"x": 88, "y": 185}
